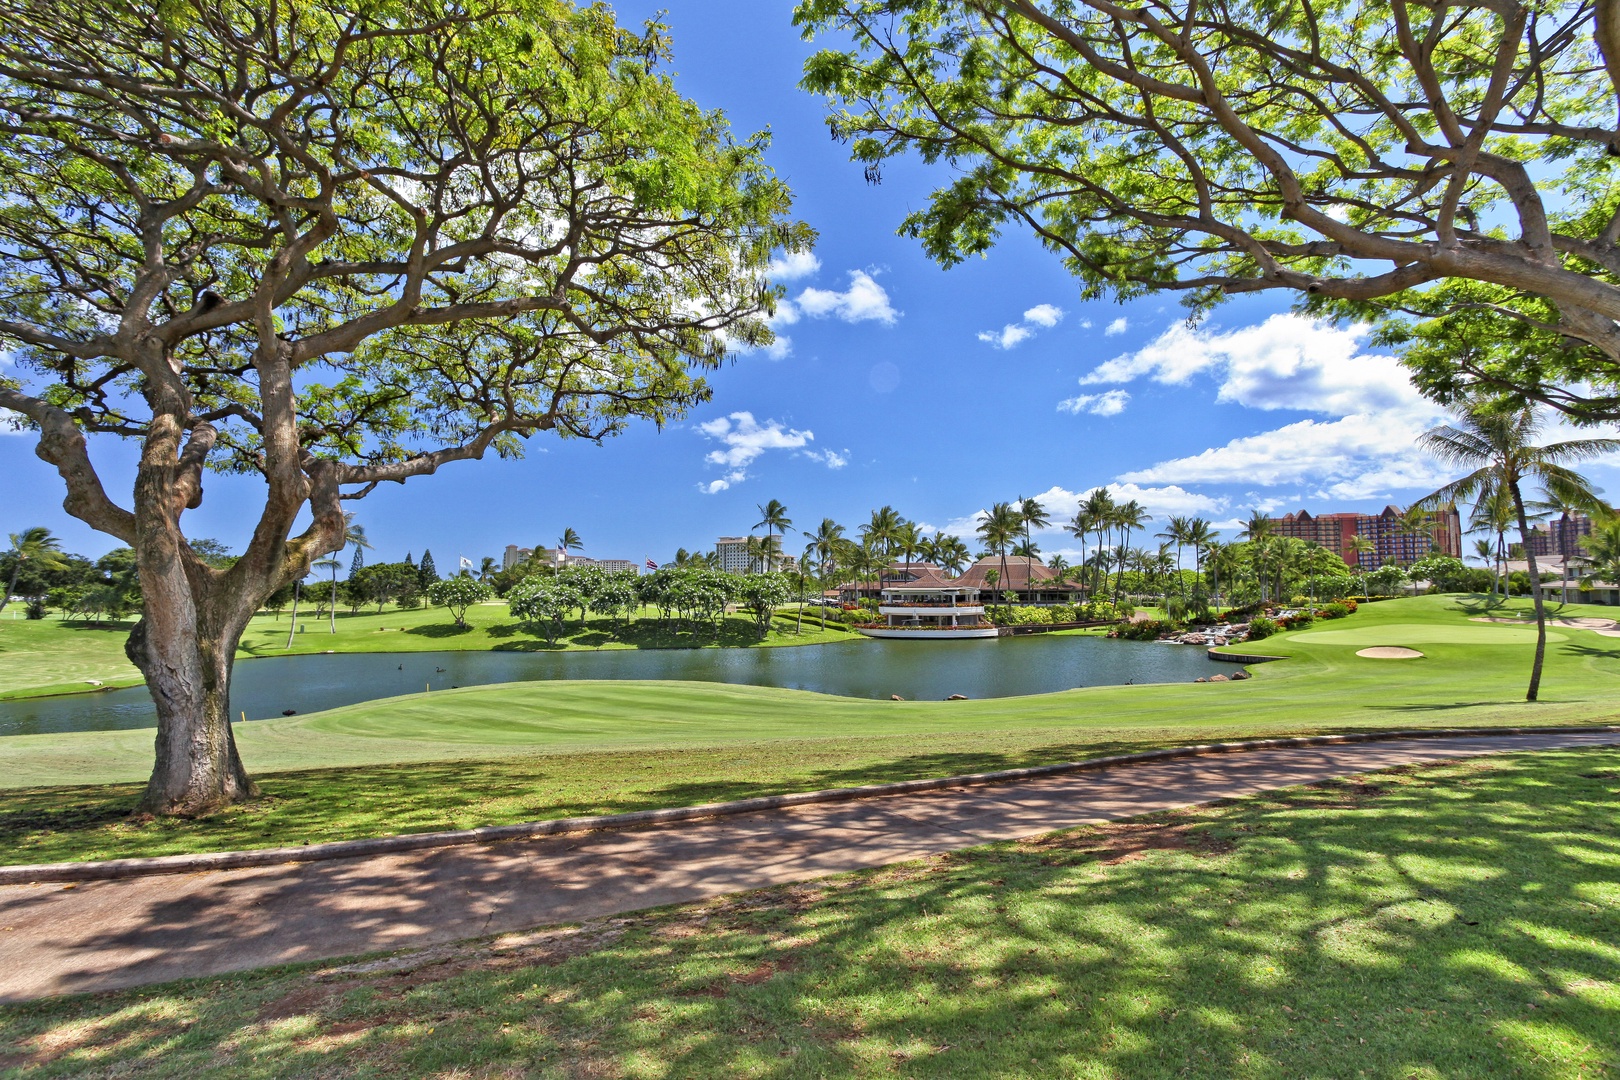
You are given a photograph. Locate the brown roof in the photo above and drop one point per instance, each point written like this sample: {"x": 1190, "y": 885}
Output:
{"x": 1016, "y": 576}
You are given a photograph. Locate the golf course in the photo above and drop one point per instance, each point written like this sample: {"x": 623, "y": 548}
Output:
{"x": 519, "y": 752}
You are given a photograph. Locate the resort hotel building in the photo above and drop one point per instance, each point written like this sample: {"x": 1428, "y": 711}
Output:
{"x": 1392, "y": 543}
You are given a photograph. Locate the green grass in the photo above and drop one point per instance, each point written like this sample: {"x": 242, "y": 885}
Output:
{"x": 1445, "y": 922}
{"x": 54, "y": 657}
{"x": 516, "y": 752}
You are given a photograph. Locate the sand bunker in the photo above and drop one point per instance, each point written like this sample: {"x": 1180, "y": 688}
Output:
{"x": 1581, "y": 622}
{"x": 1389, "y": 652}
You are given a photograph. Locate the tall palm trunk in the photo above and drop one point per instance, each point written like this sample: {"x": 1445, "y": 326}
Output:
{"x": 334, "y": 598}
{"x": 298, "y": 587}
{"x": 16, "y": 569}
{"x": 1535, "y": 593}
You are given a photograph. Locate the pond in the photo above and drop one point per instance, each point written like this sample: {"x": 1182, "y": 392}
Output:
{"x": 997, "y": 667}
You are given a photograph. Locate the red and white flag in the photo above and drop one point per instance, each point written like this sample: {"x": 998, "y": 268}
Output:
{"x": 651, "y": 565}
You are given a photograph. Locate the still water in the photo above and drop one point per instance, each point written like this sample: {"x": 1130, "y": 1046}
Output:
{"x": 869, "y": 668}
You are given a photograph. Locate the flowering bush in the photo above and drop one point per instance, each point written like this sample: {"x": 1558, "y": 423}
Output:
{"x": 1335, "y": 610}
{"x": 1147, "y": 630}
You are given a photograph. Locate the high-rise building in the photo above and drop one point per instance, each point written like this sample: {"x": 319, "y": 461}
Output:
{"x": 1558, "y": 539}
{"x": 1391, "y": 541}
{"x": 515, "y": 556}
{"x": 736, "y": 555}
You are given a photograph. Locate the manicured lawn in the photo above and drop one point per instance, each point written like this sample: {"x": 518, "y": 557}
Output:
{"x": 1444, "y": 922}
{"x": 554, "y": 749}
{"x": 55, "y": 657}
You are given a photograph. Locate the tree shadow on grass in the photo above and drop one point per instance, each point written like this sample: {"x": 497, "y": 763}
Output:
{"x": 1386, "y": 928}
{"x": 440, "y": 630}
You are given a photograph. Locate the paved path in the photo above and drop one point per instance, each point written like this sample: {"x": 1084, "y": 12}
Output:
{"x": 109, "y": 934}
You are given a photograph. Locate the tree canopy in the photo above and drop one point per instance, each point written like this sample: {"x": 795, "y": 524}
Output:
{"x": 337, "y": 243}
{"x": 1363, "y": 154}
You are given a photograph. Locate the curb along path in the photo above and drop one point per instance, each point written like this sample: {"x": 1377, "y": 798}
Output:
{"x": 159, "y": 922}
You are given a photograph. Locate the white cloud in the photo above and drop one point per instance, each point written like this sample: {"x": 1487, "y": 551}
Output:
{"x": 864, "y": 300}
{"x": 830, "y": 458}
{"x": 1085, "y": 324}
{"x": 1286, "y": 362}
{"x": 792, "y": 265}
{"x": 1107, "y": 403}
{"x": 1041, "y": 316}
{"x": 1357, "y": 457}
{"x": 743, "y": 440}
{"x": 1047, "y": 315}
{"x": 1362, "y": 449}
{"x": 1118, "y": 326}
{"x": 1006, "y": 337}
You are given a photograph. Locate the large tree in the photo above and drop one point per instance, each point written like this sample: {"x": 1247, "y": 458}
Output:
{"x": 336, "y": 244}
{"x": 1362, "y": 153}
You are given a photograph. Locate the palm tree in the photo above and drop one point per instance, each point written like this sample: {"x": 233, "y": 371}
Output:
{"x": 1178, "y": 532}
{"x": 1493, "y": 513}
{"x": 828, "y": 543}
{"x": 1363, "y": 547}
{"x": 1496, "y": 440}
{"x": 1547, "y": 508}
{"x": 907, "y": 542}
{"x": 331, "y": 564}
{"x": 997, "y": 529}
{"x": 1416, "y": 521}
{"x": 1098, "y": 509}
{"x": 950, "y": 554}
{"x": 298, "y": 588}
{"x": 486, "y": 569}
{"x": 1258, "y": 531}
{"x": 1219, "y": 556}
{"x": 883, "y": 530}
{"x": 355, "y": 535}
{"x": 1603, "y": 551}
{"x": 36, "y": 547}
{"x": 1031, "y": 515}
{"x": 1060, "y": 569}
{"x": 1128, "y": 516}
{"x": 569, "y": 541}
{"x": 1200, "y": 534}
{"x": 773, "y": 519}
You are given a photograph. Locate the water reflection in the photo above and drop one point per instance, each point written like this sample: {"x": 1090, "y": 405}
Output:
{"x": 1002, "y": 667}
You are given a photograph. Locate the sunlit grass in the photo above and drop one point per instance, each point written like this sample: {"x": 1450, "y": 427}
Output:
{"x": 1450, "y": 921}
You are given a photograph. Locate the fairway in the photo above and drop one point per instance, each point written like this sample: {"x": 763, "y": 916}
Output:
{"x": 1427, "y": 634}
{"x": 528, "y": 751}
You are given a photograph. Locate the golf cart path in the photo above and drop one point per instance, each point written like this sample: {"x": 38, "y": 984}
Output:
{"x": 106, "y": 935}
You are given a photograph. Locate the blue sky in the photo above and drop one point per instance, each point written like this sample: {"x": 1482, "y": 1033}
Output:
{"x": 897, "y": 382}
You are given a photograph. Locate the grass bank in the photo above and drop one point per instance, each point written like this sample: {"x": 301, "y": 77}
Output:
{"x": 517, "y": 752}
{"x": 50, "y": 656}
{"x": 1448, "y": 921}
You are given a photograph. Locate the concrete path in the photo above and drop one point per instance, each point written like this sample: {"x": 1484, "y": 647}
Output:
{"x": 105, "y": 935}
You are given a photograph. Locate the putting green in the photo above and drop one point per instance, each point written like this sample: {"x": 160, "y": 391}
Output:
{"x": 1427, "y": 634}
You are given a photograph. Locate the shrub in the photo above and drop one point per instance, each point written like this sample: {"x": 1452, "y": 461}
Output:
{"x": 35, "y": 610}
{"x": 1147, "y": 630}
{"x": 1296, "y": 620}
{"x": 1261, "y": 628}
{"x": 1335, "y": 610}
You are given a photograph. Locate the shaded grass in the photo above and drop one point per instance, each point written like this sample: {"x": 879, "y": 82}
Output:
{"x": 50, "y": 656}
{"x": 1446, "y": 921}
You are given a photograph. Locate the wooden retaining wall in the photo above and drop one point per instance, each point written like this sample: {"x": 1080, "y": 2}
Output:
{"x": 1242, "y": 658}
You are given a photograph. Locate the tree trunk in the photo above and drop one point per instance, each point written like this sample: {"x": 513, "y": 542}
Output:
{"x": 197, "y": 767}
{"x": 6, "y": 599}
{"x": 1535, "y": 594}
{"x": 334, "y": 599}
{"x": 292, "y": 628}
